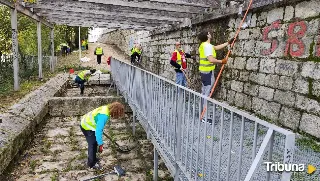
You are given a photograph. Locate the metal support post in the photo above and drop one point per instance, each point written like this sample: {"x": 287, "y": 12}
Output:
{"x": 134, "y": 123}
{"x": 155, "y": 164}
{"x": 39, "y": 49}
{"x": 52, "y": 63}
{"x": 79, "y": 44}
{"x": 178, "y": 106}
{"x": 14, "y": 27}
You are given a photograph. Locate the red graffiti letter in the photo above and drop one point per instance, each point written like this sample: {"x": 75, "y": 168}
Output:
{"x": 295, "y": 39}
{"x": 274, "y": 42}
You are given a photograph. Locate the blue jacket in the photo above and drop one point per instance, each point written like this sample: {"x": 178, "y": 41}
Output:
{"x": 101, "y": 120}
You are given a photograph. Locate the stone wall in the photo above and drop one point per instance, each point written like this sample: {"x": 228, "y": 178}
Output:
{"x": 274, "y": 70}
{"x": 19, "y": 123}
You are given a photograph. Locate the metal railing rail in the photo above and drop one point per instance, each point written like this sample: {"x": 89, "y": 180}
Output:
{"x": 233, "y": 147}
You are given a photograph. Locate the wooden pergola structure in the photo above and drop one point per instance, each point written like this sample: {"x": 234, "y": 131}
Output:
{"x": 112, "y": 14}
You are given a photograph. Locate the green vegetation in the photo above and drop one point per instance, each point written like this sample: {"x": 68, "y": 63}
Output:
{"x": 308, "y": 143}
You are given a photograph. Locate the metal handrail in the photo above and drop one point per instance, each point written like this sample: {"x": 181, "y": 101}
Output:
{"x": 170, "y": 114}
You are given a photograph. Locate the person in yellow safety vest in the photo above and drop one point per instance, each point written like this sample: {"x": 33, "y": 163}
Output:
{"x": 92, "y": 125}
{"x": 83, "y": 44}
{"x": 99, "y": 52}
{"x": 86, "y": 41}
{"x": 135, "y": 53}
{"x": 178, "y": 60}
{"x": 208, "y": 61}
{"x": 64, "y": 48}
{"x": 83, "y": 77}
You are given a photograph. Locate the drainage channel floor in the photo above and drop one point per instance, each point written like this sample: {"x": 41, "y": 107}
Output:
{"x": 59, "y": 152}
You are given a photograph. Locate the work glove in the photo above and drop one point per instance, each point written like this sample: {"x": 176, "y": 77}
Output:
{"x": 224, "y": 61}
{"x": 100, "y": 149}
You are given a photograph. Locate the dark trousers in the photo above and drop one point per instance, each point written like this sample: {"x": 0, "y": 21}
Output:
{"x": 87, "y": 47}
{"x": 80, "y": 82}
{"x": 134, "y": 57}
{"x": 99, "y": 58}
{"x": 92, "y": 146}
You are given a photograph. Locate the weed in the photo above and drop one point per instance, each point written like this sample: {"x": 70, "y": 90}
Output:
{"x": 33, "y": 164}
{"x": 308, "y": 143}
{"x": 55, "y": 176}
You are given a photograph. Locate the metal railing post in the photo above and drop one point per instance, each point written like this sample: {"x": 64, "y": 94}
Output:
{"x": 14, "y": 27}
{"x": 155, "y": 171}
{"x": 134, "y": 123}
{"x": 178, "y": 132}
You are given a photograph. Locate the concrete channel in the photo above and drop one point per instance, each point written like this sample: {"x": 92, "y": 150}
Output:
{"x": 41, "y": 138}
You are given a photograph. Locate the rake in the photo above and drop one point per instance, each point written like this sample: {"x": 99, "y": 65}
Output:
{"x": 117, "y": 171}
{"x": 121, "y": 149}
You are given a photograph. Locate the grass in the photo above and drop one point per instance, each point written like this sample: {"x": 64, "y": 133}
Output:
{"x": 309, "y": 143}
{"x": 33, "y": 164}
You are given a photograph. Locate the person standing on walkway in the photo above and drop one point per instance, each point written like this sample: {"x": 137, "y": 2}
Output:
{"x": 135, "y": 53}
{"x": 99, "y": 52}
{"x": 92, "y": 126}
{"x": 208, "y": 61}
{"x": 178, "y": 60}
{"x": 83, "y": 77}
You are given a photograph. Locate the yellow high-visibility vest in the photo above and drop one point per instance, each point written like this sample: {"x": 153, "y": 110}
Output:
{"x": 88, "y": 122}
{"x": 82, "y": 75}
{"x": 99, "y": 51}
{"x": 205, "y": 65}
{"x": 133, "y": 50}
{"x": 179, "y": 57}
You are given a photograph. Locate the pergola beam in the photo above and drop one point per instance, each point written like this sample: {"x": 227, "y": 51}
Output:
{"x": 42, "y": 9}
{"x": 109, "y": 26}
{"x": 140, "y": 6}
{"x": 26, "y": 12}
{"x": 200, "y": 3}
{"x": 85, "y": 17}
{"x": 93, "y": 7}
{"x": 97, "y": 21}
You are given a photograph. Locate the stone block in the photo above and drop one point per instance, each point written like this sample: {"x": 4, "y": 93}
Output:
{"x": 289, "y": 118}
{"x": 307, "y": 9}
{"x": 272, "y": 81}
{"x": 255, "y": 33}
{"x": 231, "y": 97}
{"x": 258, "y": 104}
{"x": 247, "y": 102}
{"x": 301, "y": 86}
{"x": 230, "y": 63}
{"x": 313, "y": 27}
{"x": 262, "y": 19}
{"x": 244, "y": 34}
{"x": 316, "y": 88}
{"x": 285, "y": 97}
{"x": 310, "y": 124}
{"x": 258, "y": 78}
{"x": 231, "y": 23}
{"x": 253, "y": 22}
{"x": 239, "y": 63}
{"x": 275, "y": 14}
{"x": 249, "y": 48}
{"x": 285, "y": 83}
{"x": 289, "y": 12}
{"x": 237, "y": 86}
{"x": 307, "y": 104}
{"x": 252, "y": 64}
{"x": 235, "y": 74}
{"x": 311, "y": 69}
{"x": 244, "y": 76}
{"x": 239, "y": 99}
{"x": 266, "y": 93}
{"x": 267, "y": 65}
{"x": 251, "y": 89}
{"x": 286, "y": 67}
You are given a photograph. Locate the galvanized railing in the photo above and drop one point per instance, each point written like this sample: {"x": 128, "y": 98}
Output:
{"x": 233, "y": 147}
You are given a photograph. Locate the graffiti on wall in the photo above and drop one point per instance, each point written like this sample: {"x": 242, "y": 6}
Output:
{"x": 294, "y": 45}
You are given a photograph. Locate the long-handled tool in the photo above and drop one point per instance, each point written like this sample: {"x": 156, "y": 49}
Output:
{"x": 117, "y": 171}
{"x": 234, "y": 40}
{"x": 120, "y": 149}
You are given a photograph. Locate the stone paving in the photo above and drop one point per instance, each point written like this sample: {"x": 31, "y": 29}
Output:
{"x": 59, "y": 152}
